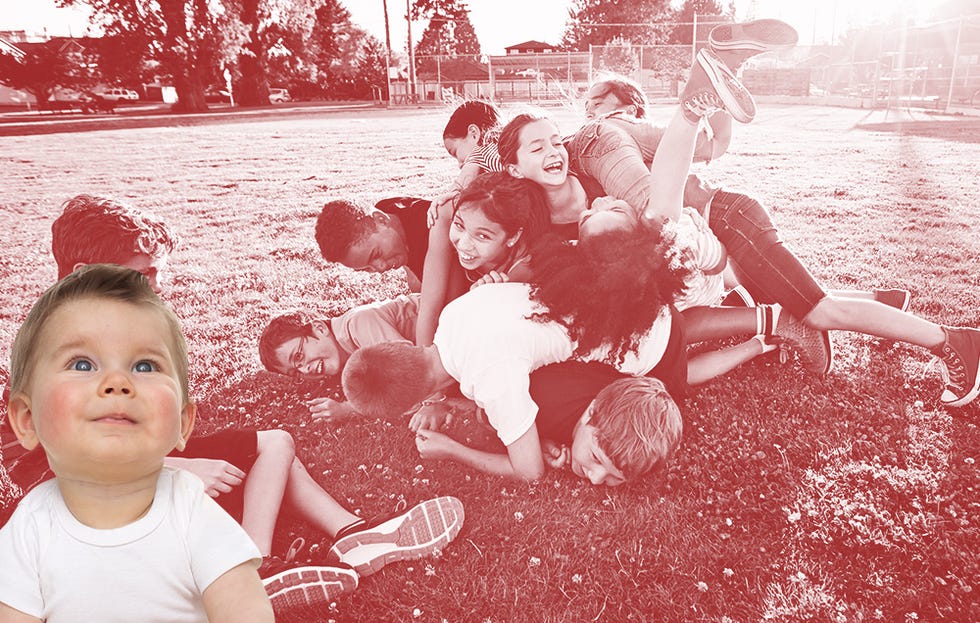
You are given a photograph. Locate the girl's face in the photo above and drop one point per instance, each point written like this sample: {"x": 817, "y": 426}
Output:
{"x": 481, "y": 244}
{"x": 606, "y": 214}
{"x": 461, "y": 147}
{"x": 541, "y": 156}
{"x": 600, "y": 100}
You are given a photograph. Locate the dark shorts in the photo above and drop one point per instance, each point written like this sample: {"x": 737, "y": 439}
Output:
{"x": 763, "y": 264}
{"x": 672, "y": 368}
{"x": 238, "y": 447}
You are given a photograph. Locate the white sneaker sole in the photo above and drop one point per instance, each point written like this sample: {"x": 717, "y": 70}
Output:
{"x": 421, "y": 531}
{"x": 719, "y": 74}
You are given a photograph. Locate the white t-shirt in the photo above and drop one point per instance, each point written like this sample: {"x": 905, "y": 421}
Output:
{"x": 704, "y": 254}
{"x": 487, "y": 342}
{"x": 152, "y": 570}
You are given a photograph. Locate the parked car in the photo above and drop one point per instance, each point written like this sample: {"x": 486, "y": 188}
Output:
{"x": 277, "y": 96}
{"x": 117, "y": 94}
{"x": 214, "y": 95}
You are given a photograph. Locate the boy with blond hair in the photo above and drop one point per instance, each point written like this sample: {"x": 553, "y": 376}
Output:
{"x": 98, "y": 379}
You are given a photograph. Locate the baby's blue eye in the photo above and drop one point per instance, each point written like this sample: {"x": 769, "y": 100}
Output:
{"x": 144, "y": 366}
{"x": 82, "y": 365}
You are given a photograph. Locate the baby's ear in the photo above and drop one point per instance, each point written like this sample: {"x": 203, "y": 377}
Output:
{"x": 22, "y": 421}
{"x": 187, "y": 416}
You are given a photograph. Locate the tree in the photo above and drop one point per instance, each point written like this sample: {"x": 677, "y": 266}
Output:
{"x": 42, "y": 69}
{"x": 449, "y": 31}
{"x": 597, "y": 22}
{"x": 619, "y": 57}
{"x": 684, "y": 20}
{"x": 190, "y": 38}
{"x": 266, "y": 22}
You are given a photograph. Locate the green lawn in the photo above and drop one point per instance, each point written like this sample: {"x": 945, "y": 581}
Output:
{"x": 848, "y": 498}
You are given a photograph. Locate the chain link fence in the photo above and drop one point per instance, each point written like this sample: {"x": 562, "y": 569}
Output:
{"x": 935, "y": 66}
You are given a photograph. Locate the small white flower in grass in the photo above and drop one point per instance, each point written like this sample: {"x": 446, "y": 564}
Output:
{"x": 911, "y": 616}
{"x": 518, "y": 516}
{"x": 418, "y": 469}
{"x": 728, "y": 521}
{"x": 703, "y": 587}
{"x": 793, "y": 517}
{"x": 429, "y": 570}
{"x": 416, "y": 613}
{"x": 534, "y": 561}
{"x": 727, "y": 572}
{"x": 969, "y": 460}
{"x": 577, "y": 578}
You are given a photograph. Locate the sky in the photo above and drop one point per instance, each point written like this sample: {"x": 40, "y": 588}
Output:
{"x": 501, "y": 23}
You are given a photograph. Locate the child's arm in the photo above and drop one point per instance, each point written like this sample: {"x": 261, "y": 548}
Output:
{"x": 238, "y": 596}
{"x": 440, "y": 282}
{"x": 705, "y": 366}
{"x": 523, "y": 460}
{"x": 218, "y": 476}
{"x": 11, "y": 615}
{"x": 467, "y": 173}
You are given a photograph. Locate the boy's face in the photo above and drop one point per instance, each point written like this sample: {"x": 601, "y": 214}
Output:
{"x": 588, "y": 460}
{"x": 311, "y": 357}
{"x": 153, "y": 268}
{"x": 104, "y": 398}
{"x": 380, "y": 250}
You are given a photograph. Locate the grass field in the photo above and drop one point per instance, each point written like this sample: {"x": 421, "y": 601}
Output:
{"x": 849, "y": 498}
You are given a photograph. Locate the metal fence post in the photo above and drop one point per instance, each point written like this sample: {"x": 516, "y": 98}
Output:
{"x": 952, "y": 69}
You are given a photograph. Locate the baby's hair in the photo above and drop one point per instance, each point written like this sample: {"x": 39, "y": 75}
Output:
{"x": 625, "y": 90}
{"x": 483, "y": 115}
{"x": 94, "y": 281}
{"x": 93, "y": 230}
{"x": 341, "y": 225}
{"x": 279, "y": 330}
{"x": 512, "y": 203}
{"x": 638, "y": 425}
{"x": 510, "y": 136}
{"x": 386, "y": 380}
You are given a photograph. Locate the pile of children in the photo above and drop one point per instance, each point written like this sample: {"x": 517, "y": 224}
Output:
{"x": 557, "y": 285}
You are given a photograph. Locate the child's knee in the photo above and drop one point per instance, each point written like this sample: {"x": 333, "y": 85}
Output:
{"x": 276, "y": 441}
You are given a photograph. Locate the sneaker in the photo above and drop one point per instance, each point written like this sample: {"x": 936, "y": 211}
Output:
{"x": 713, "y": 85}
{"x": 307, "y": 590}
{"x": 895, "y": 297}
{"x": 738, "y": 297}
{"x": 758, "y": 36}
{"x": 960, "y": 355}
{"x": 813, "y": 347}
{"x": 423, "y": 530}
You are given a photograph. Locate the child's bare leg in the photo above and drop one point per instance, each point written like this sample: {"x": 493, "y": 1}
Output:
{"x": 705, "y": 366}
{"x": 714, "y": 323}
{"x": 313, "y": 503}
{"x": 874, "y": 318}
{"x": 265, "y": 486}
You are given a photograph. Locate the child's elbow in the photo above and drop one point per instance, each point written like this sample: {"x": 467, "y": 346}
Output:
{"x": 530, "y": 473}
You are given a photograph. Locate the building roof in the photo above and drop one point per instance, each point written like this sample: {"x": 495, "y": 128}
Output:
{"x": 532, "y": 45}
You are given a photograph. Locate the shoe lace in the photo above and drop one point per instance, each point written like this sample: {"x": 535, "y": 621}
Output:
{"x": 703, "y": 103}
{"x": 952, "y": 369}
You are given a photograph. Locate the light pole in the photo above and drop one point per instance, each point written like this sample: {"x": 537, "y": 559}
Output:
{"x": 384, "y": 5}
{"x": 411, "y": 54}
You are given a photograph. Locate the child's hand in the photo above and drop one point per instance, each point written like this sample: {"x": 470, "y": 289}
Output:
{"x": 432, "y": 417}
{"x": 433, "y": 445}
{"x": 330, "y": 409}
{"x": 432, "y": 214}
{"x": 218, "y": 476}
{"x": 555, "y": 456}
{"x": 491, "y": 277}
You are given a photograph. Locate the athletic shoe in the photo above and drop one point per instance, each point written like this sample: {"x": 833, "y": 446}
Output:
{"x": 713, "y": 85}
{"x": 895, "y": 297}
{"x": 960, "y": 355}
{"x": 301, "y": 591}
{"x": 761, "y": 35}
{"x": 813, "y": 347}
{"x": 423, "y": 530}
{"x": 738, "y": 297}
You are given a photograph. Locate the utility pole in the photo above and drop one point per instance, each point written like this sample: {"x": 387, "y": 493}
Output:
{"x": 411, "y": 55}
{"x": 384, "y": 5}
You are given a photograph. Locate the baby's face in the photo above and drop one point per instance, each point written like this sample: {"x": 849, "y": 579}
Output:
{"x": 104, "y": 397}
